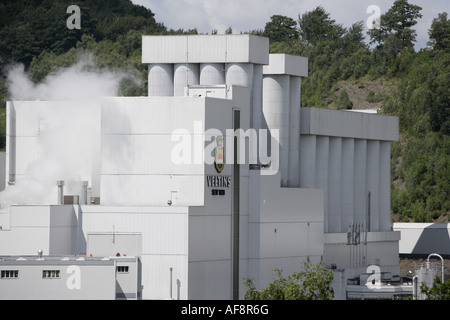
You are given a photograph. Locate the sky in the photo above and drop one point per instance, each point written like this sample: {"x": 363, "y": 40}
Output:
{"x": 247, "y": 15}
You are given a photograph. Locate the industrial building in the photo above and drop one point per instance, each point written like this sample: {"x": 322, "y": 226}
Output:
{"x": 217, "y": 176}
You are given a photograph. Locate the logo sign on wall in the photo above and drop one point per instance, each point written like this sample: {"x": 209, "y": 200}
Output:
{"x": 219, "y": 161}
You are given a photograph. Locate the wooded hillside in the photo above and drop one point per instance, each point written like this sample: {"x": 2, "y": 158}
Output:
{"x": 345, "y": 72}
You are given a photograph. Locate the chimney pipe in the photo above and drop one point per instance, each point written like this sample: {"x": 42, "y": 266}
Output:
{"x": 84, "y": 195}
{"x": 60, "y": 192}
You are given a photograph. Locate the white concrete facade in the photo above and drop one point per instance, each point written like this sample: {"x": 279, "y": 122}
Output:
{"x": 164, "y": 203}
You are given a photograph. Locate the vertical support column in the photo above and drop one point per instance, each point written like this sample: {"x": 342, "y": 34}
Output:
{"x": 307, "y": 175}
{"x": 236, "y": 208}
{"x": 360, "y": 186}
{"x": 160, "y": 80}
{"x": 276, "y": 111}
{"x": 183, "y": 76}
{"x": 385, "y": 186}
{"x": 322, "y": 172}
{"x": 373, "y": 176}
{"x": 335, "y": 184}
{"x": 294, "y": 132}
{"x": 348, "y": 157}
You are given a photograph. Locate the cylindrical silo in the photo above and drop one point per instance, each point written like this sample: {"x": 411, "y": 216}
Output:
{"x": 160, "y": 80}
{"x": 239, "y": 74}
{"x": 184, "y": 75}
{"x": 276, "y": 111}
{"x": 212, "y": 73}
{"x": 294, "y": 132}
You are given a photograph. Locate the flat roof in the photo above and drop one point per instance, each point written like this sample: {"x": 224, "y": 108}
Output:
{"x": 205, "y": 49}
{"x": 61, "y": 260}
{"x": 340, "y": 123}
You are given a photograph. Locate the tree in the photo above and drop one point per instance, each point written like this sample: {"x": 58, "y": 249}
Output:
{"x": 281, "y": 29}
{"x": 316, "y": 25}
{"x": 438, "y": 291}
{"x": 440, "y": 32}
{"x": 397, "y": 21}
{"x": 314, "y": 283}
{"x": 343, "y": 101}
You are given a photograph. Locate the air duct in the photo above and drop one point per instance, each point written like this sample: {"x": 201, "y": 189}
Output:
{"x": 60, "y": 192}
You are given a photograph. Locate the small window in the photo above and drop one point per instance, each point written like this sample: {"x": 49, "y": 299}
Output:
{"x": 50, "y": 274}
{"x": 122, "y": 269}
{"x": 10, "y": 274}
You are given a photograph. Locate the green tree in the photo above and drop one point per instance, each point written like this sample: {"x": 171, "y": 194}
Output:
{"x": 438, "y": 291}
{"x": 281, "y": 29}
{"x": 343, "y": 101}
{"x": 314, "y": 283}
{"x": 440, "y": 32}
{"x": 396, "y": 26}
{"x": 316, "y": 25}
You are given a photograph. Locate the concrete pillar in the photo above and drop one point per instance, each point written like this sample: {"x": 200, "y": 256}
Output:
{"x": 359, "y": 178}
{"x": 322, "y": 172}
{"x": 256, "y": 113}
{"x": 373, "y": 183}
{"x": 348, "y": 158}
{"x": 307, "y": 163}
{"x": 385, "y": 186}
{"x": 335, "y": 185}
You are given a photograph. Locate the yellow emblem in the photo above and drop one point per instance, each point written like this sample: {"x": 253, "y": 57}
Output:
{"x": 220, "y": 155}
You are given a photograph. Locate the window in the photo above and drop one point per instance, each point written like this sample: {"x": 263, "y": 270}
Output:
{"x": 122, "y": 269}
{"x": 10, "y": 274}
{"x": 50, "y": 274}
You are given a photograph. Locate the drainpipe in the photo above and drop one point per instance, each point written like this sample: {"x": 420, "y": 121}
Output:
{"x": 171, "y": 269}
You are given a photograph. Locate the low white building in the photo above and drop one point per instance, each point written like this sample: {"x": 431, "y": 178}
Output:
{"x": 217, "y": 176}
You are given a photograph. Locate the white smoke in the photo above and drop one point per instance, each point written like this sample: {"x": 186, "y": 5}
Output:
{"x": 65, "y": 143}
{"x": 82, "y": 81}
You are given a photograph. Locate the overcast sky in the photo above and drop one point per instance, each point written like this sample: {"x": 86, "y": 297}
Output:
{"x": 246, "y": 15}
